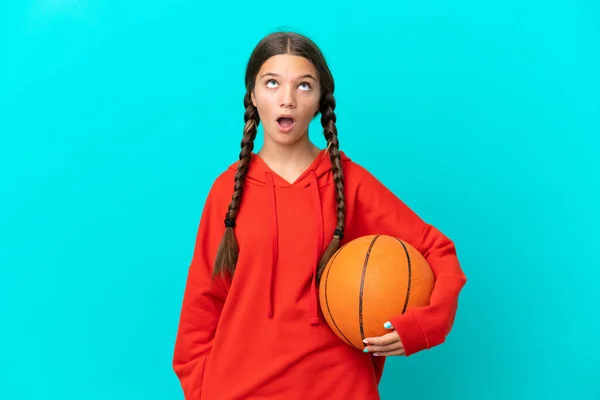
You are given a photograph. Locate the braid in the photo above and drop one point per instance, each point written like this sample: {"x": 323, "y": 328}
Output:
{"x": 227, "y": 252}
{"x": 328, "y": 120}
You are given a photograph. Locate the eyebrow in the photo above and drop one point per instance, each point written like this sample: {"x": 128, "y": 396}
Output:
{"x": 303, "y": 76}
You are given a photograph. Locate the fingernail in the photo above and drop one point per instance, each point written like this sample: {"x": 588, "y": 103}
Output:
{"x": 387, "y": 325}
{"x": 365, "y": 350}
{"x": 376, "y": 355}
{"x": 365, "y": 341}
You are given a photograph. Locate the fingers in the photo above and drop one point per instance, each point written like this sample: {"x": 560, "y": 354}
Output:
{"x": 386, "y": 345}
{"x": 384, "y": 340}
{"x": 393, "y": 347}
{"x": 399, "y": 352}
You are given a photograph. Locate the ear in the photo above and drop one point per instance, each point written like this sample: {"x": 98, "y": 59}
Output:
{"x": 319, "y": 103}
{"x": 253, "y": 98}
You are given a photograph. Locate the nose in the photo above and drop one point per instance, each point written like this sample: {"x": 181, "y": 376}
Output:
{"x": 288, "y": 97}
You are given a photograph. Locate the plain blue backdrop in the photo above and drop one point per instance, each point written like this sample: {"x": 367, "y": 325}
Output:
{"x": 115, "y": 117}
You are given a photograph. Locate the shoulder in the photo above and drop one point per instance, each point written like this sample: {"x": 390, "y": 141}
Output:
{"x": 224, "y": 180}
{"x": 221, "y": 188}
{"x": 356, "y": 174}
{"x": 363, "y": 184}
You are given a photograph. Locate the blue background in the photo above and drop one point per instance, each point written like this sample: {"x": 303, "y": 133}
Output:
{"x": 115, "y": 117}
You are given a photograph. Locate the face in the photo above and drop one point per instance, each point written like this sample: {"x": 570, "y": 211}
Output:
{"x": 286, "y": 94}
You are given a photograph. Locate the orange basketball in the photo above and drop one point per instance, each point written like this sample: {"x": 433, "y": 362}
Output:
{"x": 369, "y": 280}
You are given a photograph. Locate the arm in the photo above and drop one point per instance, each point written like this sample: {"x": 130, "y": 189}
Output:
{"x": 379, "y": 211}
{"x": 202, "y": 304}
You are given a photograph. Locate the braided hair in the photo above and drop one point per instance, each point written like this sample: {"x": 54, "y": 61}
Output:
{"x": 227, "y": 252}
{"x": 333, "y": 146}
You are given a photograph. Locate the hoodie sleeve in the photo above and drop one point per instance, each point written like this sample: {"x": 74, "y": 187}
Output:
{"x": 379, "y": 211}
{"x": 202, "y": 302}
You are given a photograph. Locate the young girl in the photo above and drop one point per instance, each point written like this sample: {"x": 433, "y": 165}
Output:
{"x": 250, "y": 324}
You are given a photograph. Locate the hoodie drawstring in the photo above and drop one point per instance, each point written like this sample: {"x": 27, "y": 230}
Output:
{"x": 272, "y": 206}
{"x": 318, "y": 214}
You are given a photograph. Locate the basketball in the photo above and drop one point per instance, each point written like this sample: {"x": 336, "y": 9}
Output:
{"x": 370, "y": 280}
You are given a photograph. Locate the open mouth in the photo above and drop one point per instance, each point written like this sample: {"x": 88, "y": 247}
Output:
{"x": 285, "y": 123}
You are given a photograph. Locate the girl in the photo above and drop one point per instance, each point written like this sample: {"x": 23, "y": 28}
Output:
{"x": 250, "y": 324}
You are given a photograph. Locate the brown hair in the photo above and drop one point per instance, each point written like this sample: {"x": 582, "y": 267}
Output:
{"x": 275, "y": 44}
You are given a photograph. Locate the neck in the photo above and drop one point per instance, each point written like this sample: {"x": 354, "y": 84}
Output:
{"x": 302, "y": 152}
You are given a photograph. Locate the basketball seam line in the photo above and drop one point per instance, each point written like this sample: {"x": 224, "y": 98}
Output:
{"x": 327, "y": 299}
{"x": 362, "y": 287}
{"x": 409, "y": 276}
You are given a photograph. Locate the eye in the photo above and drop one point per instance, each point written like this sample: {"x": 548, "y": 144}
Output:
{"x": 271, "y": 81}
{"x": 305, "y": 85}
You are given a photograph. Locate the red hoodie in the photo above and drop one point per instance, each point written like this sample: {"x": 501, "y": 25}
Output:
{"x": 262, "y": 336}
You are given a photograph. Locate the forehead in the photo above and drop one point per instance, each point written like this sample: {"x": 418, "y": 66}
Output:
{"x": 288, "y": 66}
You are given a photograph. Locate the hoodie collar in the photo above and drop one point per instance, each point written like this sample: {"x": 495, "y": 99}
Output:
{"x": 320, "y": 166}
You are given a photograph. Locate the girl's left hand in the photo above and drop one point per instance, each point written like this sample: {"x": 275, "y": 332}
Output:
{"x": 386, "y": 345}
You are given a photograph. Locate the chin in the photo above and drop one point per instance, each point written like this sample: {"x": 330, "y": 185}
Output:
{"x": 285, "y": 139}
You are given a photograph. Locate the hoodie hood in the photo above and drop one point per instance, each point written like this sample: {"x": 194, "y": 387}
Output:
{"x": 317, "y": 175}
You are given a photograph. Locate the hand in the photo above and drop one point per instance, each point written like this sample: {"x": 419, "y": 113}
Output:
{"x": 386, "y": 345}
